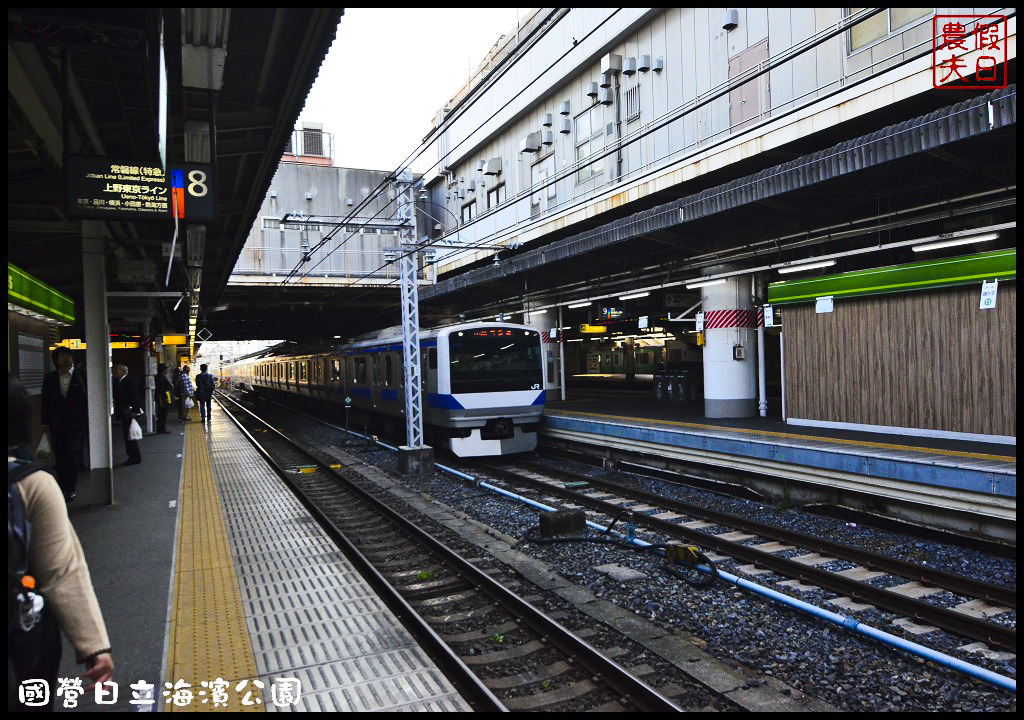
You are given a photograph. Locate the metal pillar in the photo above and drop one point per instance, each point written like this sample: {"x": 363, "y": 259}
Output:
{"x": 415, "y": 458}
{"x": 757, "y": 290}
{"x": 561, "y": 353}
{"x": 97, "y": 361}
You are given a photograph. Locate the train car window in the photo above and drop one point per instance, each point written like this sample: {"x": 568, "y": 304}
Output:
{"x": 335, "y": 370}
{"x": 495, "y": 360}
{"x": 432, "y": 359}
{"x": 359, "y": 376}
{"x": 389, "y": 371}
{"x": 375, "y": 367}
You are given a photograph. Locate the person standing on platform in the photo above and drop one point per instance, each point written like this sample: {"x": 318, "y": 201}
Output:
{"x": 185, "y": 390}
{"x": 205, "y": 385}
{"x": 126, "y": 408}
{"x": 164, "y": 397}
{"x": 45, "y": 564}
{"x": 66, "y": 416}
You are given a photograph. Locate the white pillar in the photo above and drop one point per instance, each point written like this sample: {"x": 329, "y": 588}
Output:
{"x": 97, "y": 360}
{"x": 561, "y": 353}
{"x": 546, "y": 324}
{"x": 730, "y": 370}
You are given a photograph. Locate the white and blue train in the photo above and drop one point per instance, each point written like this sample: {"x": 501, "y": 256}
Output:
{"x": 483, "y": 383}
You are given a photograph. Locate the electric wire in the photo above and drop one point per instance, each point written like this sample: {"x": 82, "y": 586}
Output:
{"x": 463, "y": 109}
{"x": 668, "y": 118}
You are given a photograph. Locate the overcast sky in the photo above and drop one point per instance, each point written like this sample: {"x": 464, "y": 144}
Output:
{"x": 390, "y": 70}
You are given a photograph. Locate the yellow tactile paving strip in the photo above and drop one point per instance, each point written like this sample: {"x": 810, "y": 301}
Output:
{"x": 792, "y": 436}
{"x": 208, "y": 634}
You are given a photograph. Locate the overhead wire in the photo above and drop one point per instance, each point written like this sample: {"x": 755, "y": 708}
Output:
{"x": 463, "y": 109}
{"x": 668, "y": 118}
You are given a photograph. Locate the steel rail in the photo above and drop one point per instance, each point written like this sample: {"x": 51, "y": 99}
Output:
{"x": 615, "y": 676}
{"x": 465, "y": 681}
{"x": 873, "y": 561}
{"x": 950, "y": 620}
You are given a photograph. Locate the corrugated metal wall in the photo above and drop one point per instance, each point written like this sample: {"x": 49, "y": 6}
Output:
{"x": 921, "y": 360}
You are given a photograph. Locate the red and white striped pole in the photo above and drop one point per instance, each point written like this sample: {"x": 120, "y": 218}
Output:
{"x": 730, "y": 375}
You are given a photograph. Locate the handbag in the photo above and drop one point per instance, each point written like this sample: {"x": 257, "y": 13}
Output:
{"x": 189, "y": 404}
{"x": 134, "y": 431}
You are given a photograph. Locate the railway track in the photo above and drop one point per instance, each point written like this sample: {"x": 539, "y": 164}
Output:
{"x": 499, "y": 650}
{"x": 694, "y": 524}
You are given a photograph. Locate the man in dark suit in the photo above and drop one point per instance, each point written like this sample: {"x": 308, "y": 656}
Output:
{"x": 126, "y": 407}
{"x": 66, "y": 416}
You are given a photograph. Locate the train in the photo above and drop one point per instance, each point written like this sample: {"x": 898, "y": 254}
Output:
{"x": 483, "y": 383}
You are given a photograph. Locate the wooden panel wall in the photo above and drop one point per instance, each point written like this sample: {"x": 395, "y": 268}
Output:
{"x": 922, "y": 359}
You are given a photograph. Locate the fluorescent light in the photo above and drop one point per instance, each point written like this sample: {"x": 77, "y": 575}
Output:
{"x": 576, "y": 340}
{"x": 705, "y": 283}
{"x": 957, "y": 241}
{"x": 580, "y": 304}
{"x": 634, "y": 296}
{"x": 534, "y": 312}
{"x": 808, "y": 266}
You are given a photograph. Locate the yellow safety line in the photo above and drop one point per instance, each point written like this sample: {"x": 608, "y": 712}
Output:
{"x": 841, "y": 441}
{"x": 208, "y": 636}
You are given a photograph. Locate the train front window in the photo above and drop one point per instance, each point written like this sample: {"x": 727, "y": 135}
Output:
{"x": 495, "y": 360}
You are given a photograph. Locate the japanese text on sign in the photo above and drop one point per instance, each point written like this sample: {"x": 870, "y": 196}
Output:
{"x": 969, "y": 51}
{"x": 214, "y": 693}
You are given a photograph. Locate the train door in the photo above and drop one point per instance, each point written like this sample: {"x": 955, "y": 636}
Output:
{"x": 360, "y": 390}
{"x": 334, "y": 383}
{"x": 375, "y": 379}
{"x": 429, "y": 376}
{"x": 389, "y": 385}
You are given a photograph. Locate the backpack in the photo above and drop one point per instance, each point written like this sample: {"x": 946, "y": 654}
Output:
{"x": 30, "y": 625}
{"x": 205, "y": 385}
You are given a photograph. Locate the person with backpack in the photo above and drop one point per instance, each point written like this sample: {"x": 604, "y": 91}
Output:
{"x": 205, "y": 385}
{"x": 163, "y": 394}
{"x": 48, "y": 585}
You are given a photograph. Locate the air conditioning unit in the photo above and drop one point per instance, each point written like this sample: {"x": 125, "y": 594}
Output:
{"x": 611, "y": 64}
{"x": 531, "y": 143}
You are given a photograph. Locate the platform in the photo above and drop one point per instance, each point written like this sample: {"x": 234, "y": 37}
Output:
{"x": 963, "y": 476}
{"x": 214, "y": 578}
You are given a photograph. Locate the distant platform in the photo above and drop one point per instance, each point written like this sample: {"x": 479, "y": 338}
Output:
{"x": 903, "y": 475}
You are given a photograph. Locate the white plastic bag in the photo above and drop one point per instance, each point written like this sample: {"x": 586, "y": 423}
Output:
{"x": 45, "y": 451}
{"x": 134, "y": 431}
{"x": 189, "y": 404}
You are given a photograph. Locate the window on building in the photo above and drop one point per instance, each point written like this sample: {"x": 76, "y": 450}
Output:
{"x": 633, "y": 103}
{"x": 540, "y": 174}
{"x": 589, "y": 140}
{"x": 271, "y": 223}
{"x": 496, "y": 196}
{"x": 468, "y": 211}
{"x": 882, "y": 24}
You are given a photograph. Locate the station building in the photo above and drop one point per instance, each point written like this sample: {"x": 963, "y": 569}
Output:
{"x": 672, "y": 176}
